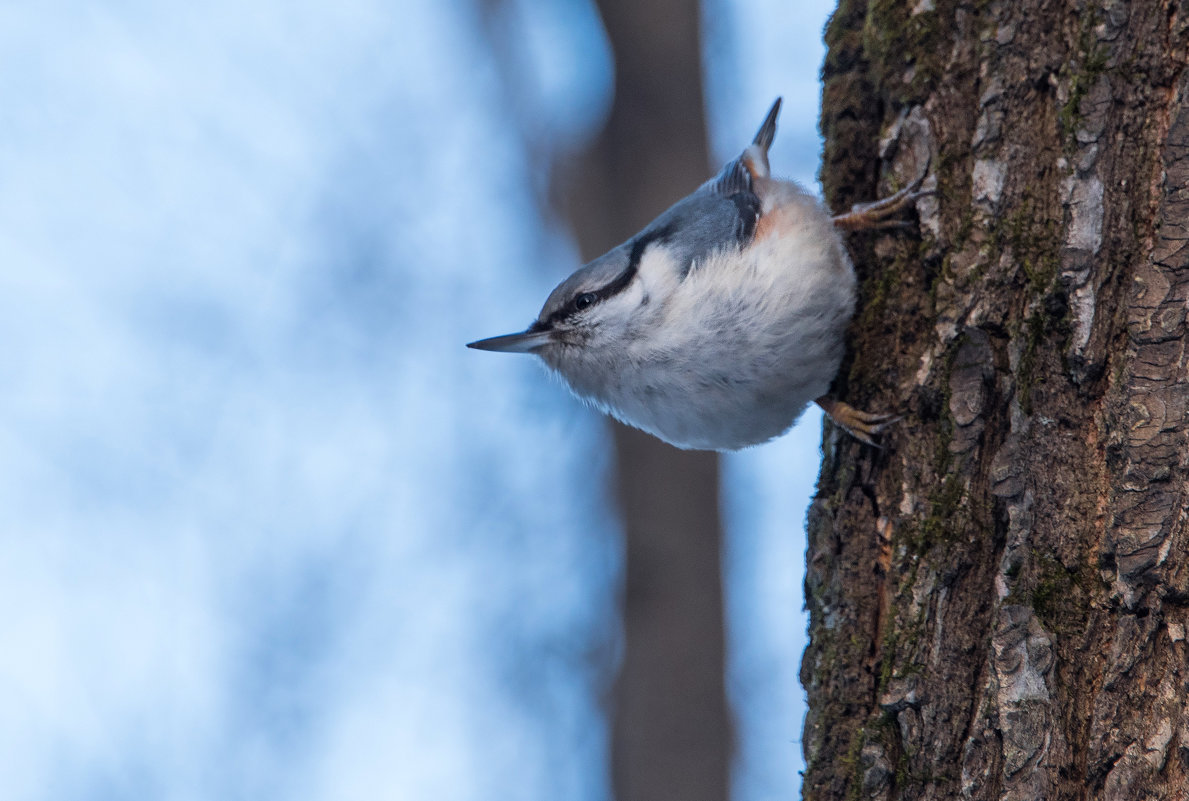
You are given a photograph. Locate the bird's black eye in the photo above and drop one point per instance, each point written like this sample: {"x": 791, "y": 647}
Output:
{"x": 585, "y": 300}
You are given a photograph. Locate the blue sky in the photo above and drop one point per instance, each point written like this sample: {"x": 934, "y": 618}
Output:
{"x": 266, "y": 528}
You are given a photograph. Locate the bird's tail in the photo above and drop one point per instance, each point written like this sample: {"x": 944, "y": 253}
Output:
{"x": 755, "y": 157}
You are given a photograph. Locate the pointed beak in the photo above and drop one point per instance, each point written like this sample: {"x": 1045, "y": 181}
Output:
{"x": 524, "y": 342}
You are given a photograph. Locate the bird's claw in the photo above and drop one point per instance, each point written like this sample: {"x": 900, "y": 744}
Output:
{"x": 877, "y": 214}
{"x": 863, "y": 426}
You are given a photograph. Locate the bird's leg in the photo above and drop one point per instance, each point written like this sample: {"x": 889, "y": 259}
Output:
{"x": 861, "y": 425}
{"x": 878, "y": 214}
{"x": 865, "y": 426}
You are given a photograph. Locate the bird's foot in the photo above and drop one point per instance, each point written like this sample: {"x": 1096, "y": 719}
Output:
{"x": 863, "y": 426}
{"x": 878, "y": 214}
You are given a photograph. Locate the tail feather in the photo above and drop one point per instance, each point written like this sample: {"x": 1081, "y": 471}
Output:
{"x": 739, "y": 175}
{"x": 755, "y": 157}
{"x": 767, "y": 131}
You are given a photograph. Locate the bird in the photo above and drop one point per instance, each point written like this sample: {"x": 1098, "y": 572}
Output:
{"x": 715, "y": 326}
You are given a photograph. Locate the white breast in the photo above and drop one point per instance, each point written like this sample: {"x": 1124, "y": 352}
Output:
{"x": 747, "y": 339}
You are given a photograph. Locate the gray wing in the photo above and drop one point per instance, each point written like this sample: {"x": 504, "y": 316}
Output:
{"x": 731, "y": 179}
{"x": 705, "y": 222}
{"x": 722, "y": 212}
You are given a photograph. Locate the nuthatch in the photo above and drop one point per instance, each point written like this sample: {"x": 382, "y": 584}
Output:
{"x": 718, "y": 323}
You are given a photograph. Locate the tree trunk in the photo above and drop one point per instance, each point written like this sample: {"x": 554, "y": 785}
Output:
{"x": 999, "y": 598}
{"x": 671, "y": 734}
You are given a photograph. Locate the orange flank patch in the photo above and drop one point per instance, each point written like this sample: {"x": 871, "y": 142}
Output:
{"x": 750, "y": 165}
{"x": 775, "y": 223}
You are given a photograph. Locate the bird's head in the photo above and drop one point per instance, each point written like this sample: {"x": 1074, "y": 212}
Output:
{"x": 597, "y": 311}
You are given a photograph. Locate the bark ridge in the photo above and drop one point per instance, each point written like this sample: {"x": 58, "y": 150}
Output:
{"x": 999, "y": 598}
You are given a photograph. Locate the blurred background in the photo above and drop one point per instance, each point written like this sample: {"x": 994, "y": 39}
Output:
{"x": 267, "y": 529}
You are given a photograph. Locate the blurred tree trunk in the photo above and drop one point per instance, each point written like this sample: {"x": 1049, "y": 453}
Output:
{"x": 670, "y": 727}
{"x": 1000, "y": 598}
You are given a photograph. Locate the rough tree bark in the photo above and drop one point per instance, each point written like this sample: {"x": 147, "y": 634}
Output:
{"x": 671, "y": 733}
{"x": 999, "y": 599}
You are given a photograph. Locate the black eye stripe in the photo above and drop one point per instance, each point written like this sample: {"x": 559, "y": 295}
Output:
{"x": 586, "y": 299}
{"x": 641, "y": 244}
